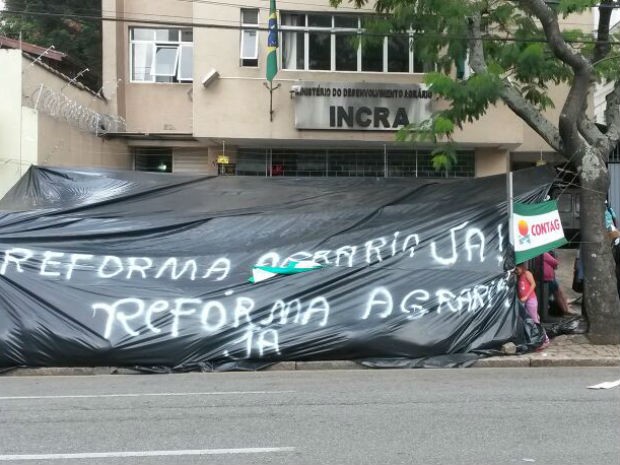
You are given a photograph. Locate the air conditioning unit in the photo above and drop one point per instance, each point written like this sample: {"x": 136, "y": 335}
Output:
{"x": 208, "y": 78}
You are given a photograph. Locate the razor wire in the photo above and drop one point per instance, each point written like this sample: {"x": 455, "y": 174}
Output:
{"x": 59, "y": 106}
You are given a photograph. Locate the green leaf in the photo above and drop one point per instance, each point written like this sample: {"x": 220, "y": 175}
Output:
{"x": 442, "y": 125}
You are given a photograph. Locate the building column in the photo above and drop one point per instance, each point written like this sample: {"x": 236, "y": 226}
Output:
{"x": 491, "y": 161}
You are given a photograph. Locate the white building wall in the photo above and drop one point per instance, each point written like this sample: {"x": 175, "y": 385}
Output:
{"x": 18, "y": 125}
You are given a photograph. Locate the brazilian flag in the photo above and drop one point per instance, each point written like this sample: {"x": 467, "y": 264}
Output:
{"x": 272, "y": 42}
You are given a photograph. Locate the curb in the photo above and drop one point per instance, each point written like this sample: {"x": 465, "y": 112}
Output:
{"x": 545, "y": 361}
{"x": 519, "y": 361}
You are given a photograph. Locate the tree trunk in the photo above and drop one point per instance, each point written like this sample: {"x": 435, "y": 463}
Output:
{"x": 601, "y": 301}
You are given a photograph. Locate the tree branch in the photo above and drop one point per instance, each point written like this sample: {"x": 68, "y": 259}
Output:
{"x": 582, "y": 68}
{"x": 602, "y": 47}
{"x": 551, "y": 27}
{"x": 591, "y": 133}
{"x": 532, "y": 117}
{"x": 510, "y": 95}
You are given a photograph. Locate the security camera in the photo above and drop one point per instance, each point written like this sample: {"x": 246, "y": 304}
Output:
{"x": 211, "y": 76}
{"x": 295, "y": 90}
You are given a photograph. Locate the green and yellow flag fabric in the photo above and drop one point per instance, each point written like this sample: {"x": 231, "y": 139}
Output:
{"x": 272, "y": 42}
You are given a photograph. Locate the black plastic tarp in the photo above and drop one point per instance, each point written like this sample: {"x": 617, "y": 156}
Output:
{"x": 117, "y": 268}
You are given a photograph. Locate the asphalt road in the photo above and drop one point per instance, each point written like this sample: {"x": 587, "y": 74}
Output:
{"x": 457, "y": 416}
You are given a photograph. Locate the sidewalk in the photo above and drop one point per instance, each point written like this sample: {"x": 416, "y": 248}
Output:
{"x": 564, "y": 351}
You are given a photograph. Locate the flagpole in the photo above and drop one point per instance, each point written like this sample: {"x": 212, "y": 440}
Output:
{"x": 271, "y": 101}
{"x": 270, "y": 87}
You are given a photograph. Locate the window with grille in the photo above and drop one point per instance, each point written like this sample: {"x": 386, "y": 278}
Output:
{"x": 153, "y": 159}
{"x": 347, "y": 162}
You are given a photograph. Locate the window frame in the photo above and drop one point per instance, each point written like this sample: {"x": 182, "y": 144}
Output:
{"x": 154, "y": 44}
{"x": 175, "y": 65}
{"x": 335, "y": 31}
{"x": 250, "y": 61}
{"x": 180, "y": 77}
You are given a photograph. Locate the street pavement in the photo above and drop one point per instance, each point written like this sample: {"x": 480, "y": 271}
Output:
{"x": 440, "y": 416}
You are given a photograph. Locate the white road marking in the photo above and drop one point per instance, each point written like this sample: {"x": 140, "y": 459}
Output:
{"x": 148, "y": 453}
{"x": 606, "y": 385}
{"x": 147, "y": 394}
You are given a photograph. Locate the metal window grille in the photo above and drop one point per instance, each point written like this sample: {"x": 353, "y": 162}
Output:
{"x": 376, "y": 162}
{"x": 153, "y": 159}
{"x": 615, "y": 155}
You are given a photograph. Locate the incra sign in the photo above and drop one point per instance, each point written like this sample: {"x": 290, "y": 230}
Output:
{"x": 359, "y": 106}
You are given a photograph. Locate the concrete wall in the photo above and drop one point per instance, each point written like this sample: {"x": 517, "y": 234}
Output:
{"x": 491, "y": 161}
{"x": 147, "y": 107}
{"x": 61, "y": 145}
{"x": 61, "y": 142}
{"x": 10, "y": 120}
{"x": 30, "y": 136}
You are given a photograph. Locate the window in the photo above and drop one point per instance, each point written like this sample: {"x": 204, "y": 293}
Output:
{"x": 162, "y": 55}
{"x": 249, "y": 37}
{"x": 293, "y": 41}
{"x": 337, "y": 43}
{"x": 153, "y": 159}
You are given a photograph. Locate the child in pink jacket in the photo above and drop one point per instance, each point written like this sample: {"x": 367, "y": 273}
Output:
{"x": 526, "y": 292}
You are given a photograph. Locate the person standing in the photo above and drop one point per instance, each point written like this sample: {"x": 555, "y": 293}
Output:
{"x": 610, "y": 218}
{"x": 526, "y": 292}
{"x": 611, "y": 226}
{"x": 550, "y": 264}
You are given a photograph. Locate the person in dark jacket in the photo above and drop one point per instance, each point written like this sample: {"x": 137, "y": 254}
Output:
{"x": 549, "y": 265}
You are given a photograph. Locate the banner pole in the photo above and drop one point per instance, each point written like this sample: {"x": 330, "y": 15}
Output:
{"x": 511, "y": 238}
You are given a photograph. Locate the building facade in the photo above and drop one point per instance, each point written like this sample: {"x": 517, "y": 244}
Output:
{"x": 189, "y": 80}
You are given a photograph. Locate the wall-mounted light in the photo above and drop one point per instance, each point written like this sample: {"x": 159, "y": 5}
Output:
{"x": 208, "y": 78}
